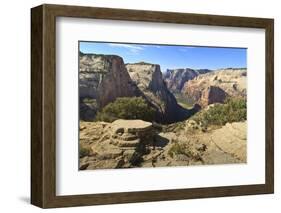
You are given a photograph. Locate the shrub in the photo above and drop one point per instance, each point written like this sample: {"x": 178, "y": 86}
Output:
{"x": 126, "y": 108}
{"x": 177, "y": 149}
{"x": 84, "y": 152}
{"x": 233, "y": 110}
{"x": 183, "y": 149}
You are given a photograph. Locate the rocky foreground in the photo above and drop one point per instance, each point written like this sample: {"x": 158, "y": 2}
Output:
{"x": 136, "y": 143}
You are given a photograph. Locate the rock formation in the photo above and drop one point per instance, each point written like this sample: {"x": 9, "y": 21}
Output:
{"x": 232, "y": 139}
{"x": 212, "y": 94}
{"x": 135, "y": 143}
{"x": 121, "y": 143}
{"x": 104, "y": 78}
{"x": 176, "y": 78}
{"x": 130, "y": 133}
{"x": 213, "y": 87}
{"x": 149, "y": 79}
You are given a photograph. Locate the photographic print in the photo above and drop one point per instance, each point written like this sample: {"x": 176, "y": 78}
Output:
{"x": 173, "y": 105}
{"x": 155, "y": 105}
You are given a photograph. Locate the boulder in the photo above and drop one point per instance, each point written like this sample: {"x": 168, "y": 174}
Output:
{"x": 118, "y": 144}
{"x": 130, "y": 133}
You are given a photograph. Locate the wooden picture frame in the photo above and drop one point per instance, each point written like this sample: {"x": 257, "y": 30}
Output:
{"x": 43, "y": 105}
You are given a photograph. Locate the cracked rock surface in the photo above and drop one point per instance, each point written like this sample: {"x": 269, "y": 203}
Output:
{"x": 136, "y": 143}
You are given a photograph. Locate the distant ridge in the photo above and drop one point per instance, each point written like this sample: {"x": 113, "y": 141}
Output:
{"x": 176, "y": 78}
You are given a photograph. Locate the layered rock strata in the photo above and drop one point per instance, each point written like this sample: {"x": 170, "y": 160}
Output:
{"x": 215, "y": 86}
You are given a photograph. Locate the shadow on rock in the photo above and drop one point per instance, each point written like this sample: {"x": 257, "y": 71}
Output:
{"x": 160, "y": 141}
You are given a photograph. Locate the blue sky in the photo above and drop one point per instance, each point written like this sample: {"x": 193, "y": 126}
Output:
{"x": 170, "y": 56}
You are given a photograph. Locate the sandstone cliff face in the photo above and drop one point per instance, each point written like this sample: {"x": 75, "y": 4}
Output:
{"x": 215, "y": 86}
{"x": 212, "y": 94}
{"x": 176, "y": 78}
{"x": 149, "y": 79}
{"x": 104, "y": 78}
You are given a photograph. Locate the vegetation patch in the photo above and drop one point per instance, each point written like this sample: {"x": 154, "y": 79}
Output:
{"x": 233, "y": 110}
{"x": 126, "y": 108}
{"x": 177, "y": 149}
{"x": 184, "y": 149}
{"x": 83, "y": 151}
{"x": 174, "y": 127}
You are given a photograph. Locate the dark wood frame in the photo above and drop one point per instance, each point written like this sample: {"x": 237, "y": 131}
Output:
{"x": 43, "y": 105}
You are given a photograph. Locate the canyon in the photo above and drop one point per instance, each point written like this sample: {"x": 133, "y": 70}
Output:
{"x": 176, "y": 78}
{"x": 216, "y": 86}
{"x": 176, "y": 137}
{"x": 103, "y": 78}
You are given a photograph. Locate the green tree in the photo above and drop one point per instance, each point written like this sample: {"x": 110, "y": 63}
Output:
{"x": 126, "y": 108}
